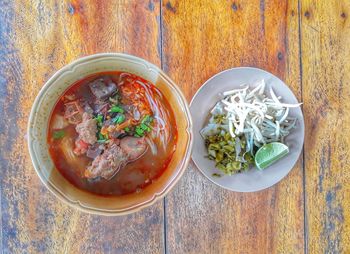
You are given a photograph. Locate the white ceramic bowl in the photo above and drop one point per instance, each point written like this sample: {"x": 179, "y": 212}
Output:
{"x": 38, "y": 125}
{"x": 205, "y": 99}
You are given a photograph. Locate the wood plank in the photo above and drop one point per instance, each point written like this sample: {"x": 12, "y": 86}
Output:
{"x": 37, "y": 38}
{"x": 202, "y": 38}
{"x": 325, "y": 33}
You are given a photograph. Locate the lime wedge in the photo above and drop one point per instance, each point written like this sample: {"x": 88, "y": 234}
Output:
{"x": 269, "y": 154}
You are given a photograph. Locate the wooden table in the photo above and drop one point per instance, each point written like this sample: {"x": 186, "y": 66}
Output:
{"x": 306, "y": 43}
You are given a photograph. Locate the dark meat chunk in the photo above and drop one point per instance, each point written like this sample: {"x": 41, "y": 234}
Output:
{"x": 118, "y": 134}
{"x": 101, "y": 107}
{"x": 94, "y": 150}
{"x": 133, "y": 147}
{"x": 115, "y": 157}
{"x": 73, "y": 112}
{"x": 87, "y": 108}
{"x": 87, "y": 129}
{"x": 102, "y": 89}
{"x": 108, "y": 163}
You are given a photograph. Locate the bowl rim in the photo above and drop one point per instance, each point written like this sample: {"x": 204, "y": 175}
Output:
{"x": 157, "y": 195}
{"x": 303, "y": 122}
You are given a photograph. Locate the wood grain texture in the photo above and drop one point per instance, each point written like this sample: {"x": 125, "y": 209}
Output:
{"x": 37, "y": 38}
{"x": 200, "y": 39}
{"x": 325, "y": 30}
{"x": 192, "y": 40}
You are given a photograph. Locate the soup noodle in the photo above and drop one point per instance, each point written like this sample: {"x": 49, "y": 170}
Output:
{"x": 112, "y": 133}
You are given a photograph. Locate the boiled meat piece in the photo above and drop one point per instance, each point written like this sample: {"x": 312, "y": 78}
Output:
{"x": 133, "y": 147}
{"x": 94, "y": 150}
{"x": 102, "y": 90}
{"x": 108, "y": 163}
{"x": 73, "y": 111}
{"x": 116, "y": 156}
{"x": 87, "y": 129}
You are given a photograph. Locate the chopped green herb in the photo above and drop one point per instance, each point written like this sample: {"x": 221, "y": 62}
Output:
{"x": 119, "y": 119}
{"x": 222, "y": 149}
{"x": 145, "y": 127}
{"x": 58, "y": 134}
{"x": 147, "y": 119}
{"x": 127, "y": 129}
{"x": 101, "y": 138}
{"x": 139, "y": 131}
{"x": 116, "y": 109}
{"x": 99, "y": 118}
{"x": 216, "y": 175}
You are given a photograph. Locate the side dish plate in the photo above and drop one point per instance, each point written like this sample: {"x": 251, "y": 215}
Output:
{"x": 205, "y": 99}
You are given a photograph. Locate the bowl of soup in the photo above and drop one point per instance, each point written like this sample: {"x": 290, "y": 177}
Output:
{"x": 110, "y": 134}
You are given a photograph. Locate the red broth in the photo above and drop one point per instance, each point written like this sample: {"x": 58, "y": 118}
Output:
{"x": 134, "y": 176}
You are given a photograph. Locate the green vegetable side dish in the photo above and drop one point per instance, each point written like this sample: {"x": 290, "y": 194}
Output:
{"x": 248, "y": 128}
{"x": 221, "y": 149}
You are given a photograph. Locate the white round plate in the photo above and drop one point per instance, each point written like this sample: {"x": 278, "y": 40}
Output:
{"x": 205, "y": 99}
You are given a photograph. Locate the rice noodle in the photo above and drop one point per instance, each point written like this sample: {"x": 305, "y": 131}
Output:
{"x": 161, "y": 131}
{"x": 152, "y": 146}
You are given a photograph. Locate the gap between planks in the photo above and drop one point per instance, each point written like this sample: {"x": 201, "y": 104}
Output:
{"x": 303, "y": 154}
{"x": 162, "y": 67}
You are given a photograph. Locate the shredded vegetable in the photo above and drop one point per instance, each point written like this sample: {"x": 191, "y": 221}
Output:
{"x": 229, "y": 157}
{"x": 260, "y": 118}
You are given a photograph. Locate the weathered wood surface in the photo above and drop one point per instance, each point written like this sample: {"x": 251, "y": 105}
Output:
{"x": 325, "y": 44}
{"x": 306, "y": 43}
